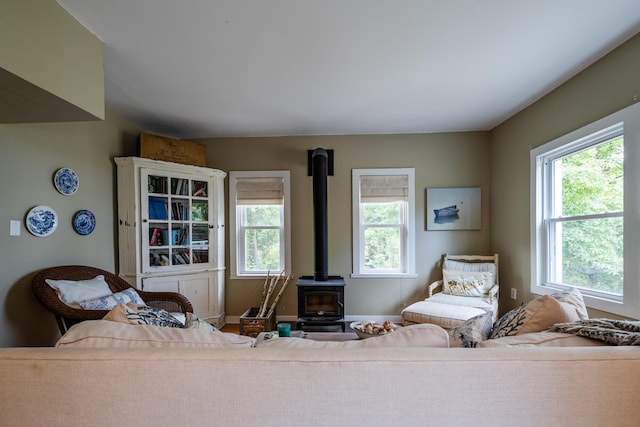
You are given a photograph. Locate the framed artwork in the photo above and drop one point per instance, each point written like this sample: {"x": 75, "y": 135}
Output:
{"x": 453, "y": 208}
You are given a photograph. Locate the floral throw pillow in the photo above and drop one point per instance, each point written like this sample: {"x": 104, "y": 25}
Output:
{"x": 466, "y": 283}
{"x": 145, "y": 315}
{"x": 471, "y": 332}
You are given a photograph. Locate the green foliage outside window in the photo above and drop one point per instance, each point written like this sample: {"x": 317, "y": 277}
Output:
{"x": 592, "y": 249}
{"x": 262, "y": 238}
{"x": 382, "y": 236}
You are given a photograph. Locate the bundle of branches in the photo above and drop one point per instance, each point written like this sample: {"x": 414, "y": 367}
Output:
{"x": 268, "y": 289}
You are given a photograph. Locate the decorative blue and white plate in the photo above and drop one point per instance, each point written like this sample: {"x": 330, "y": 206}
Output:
{"x": 42, "y": 221}
{"x": 84, "y": 222}
{"x": 66, "y": 181}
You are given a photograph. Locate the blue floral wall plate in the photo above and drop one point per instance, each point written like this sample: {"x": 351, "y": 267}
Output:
{"x": 42, "y": 221}
{"x": 84, "y": 222}
{"x": 66, "y": 181}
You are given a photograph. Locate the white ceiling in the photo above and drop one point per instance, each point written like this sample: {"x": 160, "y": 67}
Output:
{"x": 204, "y": 68}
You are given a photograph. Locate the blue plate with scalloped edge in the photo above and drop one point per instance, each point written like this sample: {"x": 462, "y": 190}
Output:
{"x": 84, "y": 222}
{"x": 66, "y": 181}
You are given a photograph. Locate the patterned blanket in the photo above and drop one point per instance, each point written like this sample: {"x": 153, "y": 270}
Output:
{"x": 615, "y": 332}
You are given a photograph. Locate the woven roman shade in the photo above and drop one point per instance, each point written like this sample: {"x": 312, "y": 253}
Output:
{"x": 260, "y": 191}
{"x": 384, "y": 188}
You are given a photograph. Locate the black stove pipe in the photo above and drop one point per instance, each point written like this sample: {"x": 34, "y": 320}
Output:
{"x": 320, "y": 160}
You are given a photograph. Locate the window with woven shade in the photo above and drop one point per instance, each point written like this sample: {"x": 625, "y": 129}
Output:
{"x": 383, "y": 222}
{"x": 259, "y": 219}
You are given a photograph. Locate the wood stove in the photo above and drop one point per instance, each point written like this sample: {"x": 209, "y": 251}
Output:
{"x": 320, "y": 297}
{"x": 320, "y": 303}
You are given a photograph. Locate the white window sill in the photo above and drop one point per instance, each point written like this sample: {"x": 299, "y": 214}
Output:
{"x": 255, "y": 276}
{"x": 383, "y": 276}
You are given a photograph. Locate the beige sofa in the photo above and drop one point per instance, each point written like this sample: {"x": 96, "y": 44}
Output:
{"x": 202, "y": 378}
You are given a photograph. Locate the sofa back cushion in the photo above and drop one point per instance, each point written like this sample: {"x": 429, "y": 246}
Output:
{"x": 107, "y": 334}
{"x": 541, "y": 339}
{"x": 422, "y": 335}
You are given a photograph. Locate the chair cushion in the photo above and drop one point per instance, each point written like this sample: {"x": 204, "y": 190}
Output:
{"x": 483, "y": 303}
{"x": 444, "y": 315}
{"x": 72, "y": 292}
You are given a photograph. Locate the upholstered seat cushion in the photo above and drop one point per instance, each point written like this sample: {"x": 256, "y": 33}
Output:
{"x": 441, "y": 314}
{"x": 482, "y": 303}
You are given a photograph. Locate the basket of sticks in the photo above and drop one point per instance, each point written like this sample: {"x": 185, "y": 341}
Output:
{"x": 263, "y": 318}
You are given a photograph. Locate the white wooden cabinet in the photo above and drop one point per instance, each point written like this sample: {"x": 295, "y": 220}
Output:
{"x": 171, "y": 231}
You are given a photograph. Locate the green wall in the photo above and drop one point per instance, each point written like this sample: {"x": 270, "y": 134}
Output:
{"x": 31, "y": 154}
{"x": 497, "y": 161}
{"x": 440, "y": 160}
{"x": 605, "y": 87}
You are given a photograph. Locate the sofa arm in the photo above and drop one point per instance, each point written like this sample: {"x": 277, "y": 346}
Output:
{"x": 432, "y": 287}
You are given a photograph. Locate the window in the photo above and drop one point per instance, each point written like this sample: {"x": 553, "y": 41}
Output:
{"x": 383, "y": 222}
{"x": 259, "y": 222}
{"x": 579, "y": 233}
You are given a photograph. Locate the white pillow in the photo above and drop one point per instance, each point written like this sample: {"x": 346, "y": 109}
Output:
{"x": 72, "y": 292}
{"x": 107, "y": 302}
{"x": 467, "y": 283}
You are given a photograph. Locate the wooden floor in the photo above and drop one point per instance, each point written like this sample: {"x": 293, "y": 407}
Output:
{"x": 233, "y": 328}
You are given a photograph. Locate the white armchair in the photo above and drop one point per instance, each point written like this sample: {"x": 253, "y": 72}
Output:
{"x": 470, "y": 287}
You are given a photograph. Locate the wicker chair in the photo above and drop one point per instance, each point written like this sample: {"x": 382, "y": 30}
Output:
{"x": 67, "y": 316}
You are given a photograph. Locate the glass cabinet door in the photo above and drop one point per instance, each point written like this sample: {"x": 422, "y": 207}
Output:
{"x": 175, "y": 220}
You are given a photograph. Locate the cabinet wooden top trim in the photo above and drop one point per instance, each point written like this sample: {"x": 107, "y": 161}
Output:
{"x": 168, "y": 166}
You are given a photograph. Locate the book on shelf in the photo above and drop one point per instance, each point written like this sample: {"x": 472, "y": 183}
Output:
{"x": 179, "y": 211}
{"x": 181, "y": 258}
{"x": 179, "y": 186}
{"x": 156, "y": 237}
{"x": 157, "y": 184}
{"x": 157, "y": 208}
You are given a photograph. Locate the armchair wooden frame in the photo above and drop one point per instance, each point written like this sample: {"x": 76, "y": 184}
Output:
{"x": 493, "y": 292}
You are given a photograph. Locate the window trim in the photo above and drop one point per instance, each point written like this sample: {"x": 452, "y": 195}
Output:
{"x": 588, "y": 135}
{"x": 234, "y": 246}
{"x": 357, "y": 227}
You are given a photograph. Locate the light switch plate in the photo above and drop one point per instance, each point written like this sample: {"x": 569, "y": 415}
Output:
{"x": 14, "y": 228}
